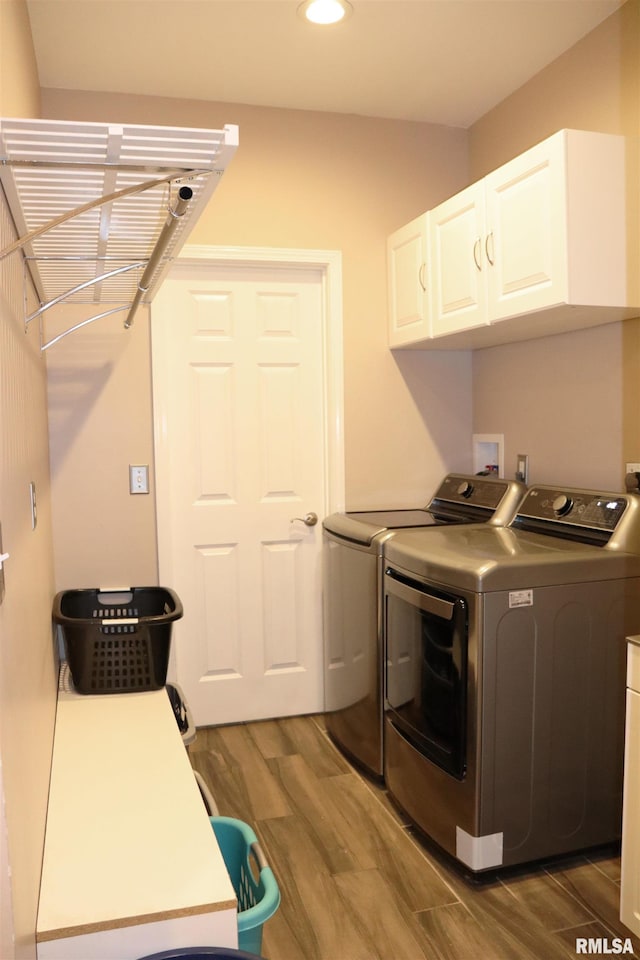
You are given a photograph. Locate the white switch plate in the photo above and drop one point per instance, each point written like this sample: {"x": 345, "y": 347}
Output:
{"x": 138, "y": 479}
{"x": 33, "y": 504}
{"x": 522, "y": 468}
{"x": 1, "y": 569}
{"x": 633, "y": 468}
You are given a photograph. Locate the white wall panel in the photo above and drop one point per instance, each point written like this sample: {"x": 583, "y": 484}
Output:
{"x": 278, "y": 395}
{"x": 213, "y": 313}
{"x": 278, "y": 314}
{"x": 220, "y": 650}
{"x": 280, "y": 602}
{"x": 213, "y": 408}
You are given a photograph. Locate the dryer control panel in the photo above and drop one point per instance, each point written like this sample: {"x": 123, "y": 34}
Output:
{"x": 578, "y": 514}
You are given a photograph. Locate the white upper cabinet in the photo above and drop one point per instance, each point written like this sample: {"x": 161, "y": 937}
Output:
{"x": 536, "y": 247}
{"x": 458, "y": 270}
{"x": 524, "y": 248}
{"x": 408, "y": 269}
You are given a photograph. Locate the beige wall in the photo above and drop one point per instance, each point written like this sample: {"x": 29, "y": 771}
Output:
{"x": 593, "y": 86}
{"x": 100, "y": 421}
{"x": 571, "y": 402}
{"x": 19, "y": 86}
{"x": 28, "y": 677}
{"x": 27, "y": 661}
{"x": 298, "y": 180}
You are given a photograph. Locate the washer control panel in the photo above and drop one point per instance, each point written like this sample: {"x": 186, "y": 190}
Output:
{"x": 473, "y": 498}
{"x": 481, "y": 491}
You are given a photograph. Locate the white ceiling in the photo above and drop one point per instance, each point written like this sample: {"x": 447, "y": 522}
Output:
{"x": 441, "y": 61}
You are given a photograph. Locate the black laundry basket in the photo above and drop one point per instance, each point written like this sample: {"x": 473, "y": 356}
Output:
{"x": 117, "y": 641}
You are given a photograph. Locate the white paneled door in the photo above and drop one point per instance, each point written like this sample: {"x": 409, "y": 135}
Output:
{"x": 240, "y": 358}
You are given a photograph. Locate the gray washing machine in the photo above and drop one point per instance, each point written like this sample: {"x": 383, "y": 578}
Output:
{"x": 505, "y": 676}
{"x": 353, "y": 546}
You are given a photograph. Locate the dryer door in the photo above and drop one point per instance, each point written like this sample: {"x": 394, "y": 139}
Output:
{"x": 426, "y": 669}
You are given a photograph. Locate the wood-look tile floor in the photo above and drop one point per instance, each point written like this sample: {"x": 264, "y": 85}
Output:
{"x": 358, "y": 884}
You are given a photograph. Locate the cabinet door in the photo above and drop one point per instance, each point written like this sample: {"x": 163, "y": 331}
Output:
{"x": 630, "y": 878}
{"x": 456, "y": 230}
{"x": 407, "y": 267}
{"x": 526, "y": 234}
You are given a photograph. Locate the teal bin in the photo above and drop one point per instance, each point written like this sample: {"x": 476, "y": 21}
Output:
{"x": 255, "y": 886}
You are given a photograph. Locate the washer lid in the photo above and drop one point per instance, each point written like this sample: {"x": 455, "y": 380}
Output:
{"x": 483, "y": 559}
{"x": 460, "y": 498}
{"x": 363, "y": 526}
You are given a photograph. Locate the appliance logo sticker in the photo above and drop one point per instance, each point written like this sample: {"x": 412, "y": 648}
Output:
{"x": 520, "y": 598}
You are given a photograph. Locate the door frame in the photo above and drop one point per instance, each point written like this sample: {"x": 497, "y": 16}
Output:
{"x": 329, "y": 263}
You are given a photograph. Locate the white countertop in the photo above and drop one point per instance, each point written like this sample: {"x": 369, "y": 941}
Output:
{"x": 128, "y": 840}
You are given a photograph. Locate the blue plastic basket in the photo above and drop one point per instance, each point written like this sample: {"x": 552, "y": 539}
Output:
{"x": 202, "y": 953}
{"x": 258, "y": 898}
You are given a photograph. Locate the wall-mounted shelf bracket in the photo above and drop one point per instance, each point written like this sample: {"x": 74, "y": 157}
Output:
{"x": 120, "y": 202}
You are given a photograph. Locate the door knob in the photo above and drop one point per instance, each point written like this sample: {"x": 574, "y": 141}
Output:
{"x": 309, "y": 518}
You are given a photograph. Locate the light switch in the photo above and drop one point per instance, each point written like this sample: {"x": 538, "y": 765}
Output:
{"x": 5, "y": 556}
{"x": 138, "y": 479}
{"x": 34, "y": 505}
{"x": 522, "y": 468}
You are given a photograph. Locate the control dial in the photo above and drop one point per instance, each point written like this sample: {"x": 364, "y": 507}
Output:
{"x": 465, "y": 489}
{"x": 562, "y": 505}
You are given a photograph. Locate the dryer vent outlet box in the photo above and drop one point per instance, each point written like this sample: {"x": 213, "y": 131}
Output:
{"x": 488, "y": 453}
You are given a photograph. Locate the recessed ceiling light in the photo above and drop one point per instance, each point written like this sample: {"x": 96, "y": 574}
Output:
{"x": 325, "y": 11}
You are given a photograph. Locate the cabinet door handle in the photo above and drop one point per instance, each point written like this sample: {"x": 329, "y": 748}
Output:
{"x": 421, "y": 272}
{"x": 490, "y": 256}
{"x": 476, "y": 254}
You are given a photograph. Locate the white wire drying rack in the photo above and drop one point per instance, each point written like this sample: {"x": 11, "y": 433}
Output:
{"x": 101, "y": 210}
